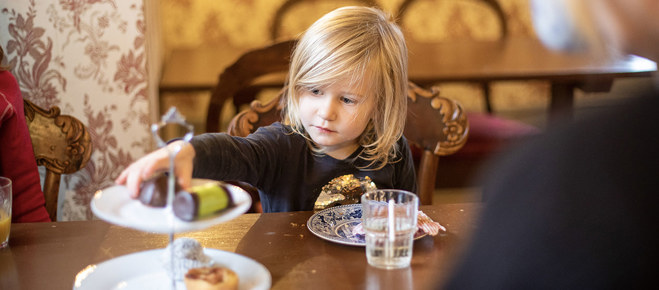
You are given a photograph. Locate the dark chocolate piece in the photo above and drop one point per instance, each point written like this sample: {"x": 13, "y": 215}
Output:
{"x": 153, "y": 191}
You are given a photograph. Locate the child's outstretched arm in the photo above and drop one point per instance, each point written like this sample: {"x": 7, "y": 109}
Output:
{"x": 157, "y": 161}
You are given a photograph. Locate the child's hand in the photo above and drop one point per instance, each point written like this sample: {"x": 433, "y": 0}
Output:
{"x": 157, "y": 161}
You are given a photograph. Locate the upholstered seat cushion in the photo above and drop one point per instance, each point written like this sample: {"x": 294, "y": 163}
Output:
{"x": 488, "y": 133}
{"x": 488, "y": 136}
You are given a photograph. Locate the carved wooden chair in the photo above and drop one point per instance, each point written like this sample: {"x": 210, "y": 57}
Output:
{"x": 61, "y": 144}
{"x": 436, "y": 125}
{"x": 241, "y": 81}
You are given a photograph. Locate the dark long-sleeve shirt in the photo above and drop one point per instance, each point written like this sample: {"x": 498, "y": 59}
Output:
{"x": 281, "y": 164}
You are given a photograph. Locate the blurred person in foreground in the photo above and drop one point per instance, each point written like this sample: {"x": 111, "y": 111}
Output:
{"x": 578, "y": 207}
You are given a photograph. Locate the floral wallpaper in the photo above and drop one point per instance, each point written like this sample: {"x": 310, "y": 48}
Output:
{"x": 88, "y": 58}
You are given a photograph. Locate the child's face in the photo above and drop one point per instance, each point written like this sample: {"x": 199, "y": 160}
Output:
{"x": 335, "y": 116}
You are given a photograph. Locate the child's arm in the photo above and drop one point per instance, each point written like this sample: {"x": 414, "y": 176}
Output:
{"x": 157, "y": 161}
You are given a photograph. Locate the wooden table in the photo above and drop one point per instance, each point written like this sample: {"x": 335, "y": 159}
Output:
{"x": 521, "y": 59}
{"x": 49, "y": 255}
{"x": 456, "y": 61}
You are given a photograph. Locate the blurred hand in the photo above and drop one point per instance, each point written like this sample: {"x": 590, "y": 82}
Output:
{"x": 158, "y": 161}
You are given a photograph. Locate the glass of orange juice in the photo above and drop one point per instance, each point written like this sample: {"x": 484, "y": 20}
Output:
{"x": 5, "y": 210}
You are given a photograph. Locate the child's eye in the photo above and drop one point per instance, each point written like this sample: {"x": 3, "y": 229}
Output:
{"x": 315, "y": 91}
{"x": 348, "y": 101}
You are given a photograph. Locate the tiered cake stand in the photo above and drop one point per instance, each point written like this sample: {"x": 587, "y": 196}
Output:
{"x": 145, "y": 269}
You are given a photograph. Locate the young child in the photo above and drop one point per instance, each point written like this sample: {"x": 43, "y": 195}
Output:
{"x": 346, "y": 103}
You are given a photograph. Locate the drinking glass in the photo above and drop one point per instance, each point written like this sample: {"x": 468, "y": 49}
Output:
{"x": 5, "y": 210}
{"x": 389, "y": 219}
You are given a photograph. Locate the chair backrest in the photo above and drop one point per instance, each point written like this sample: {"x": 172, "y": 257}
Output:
{"x": 242, "y": 74}
{"x": 61, "y": 144}
{"x": 435, "y": 124}
{"x": 492, "y": 6}
{"x": 276, "y": 28}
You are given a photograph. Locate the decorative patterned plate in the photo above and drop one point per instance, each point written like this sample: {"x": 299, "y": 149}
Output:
{"x": 335, "y": 224}
{"x": 114, "y": 205}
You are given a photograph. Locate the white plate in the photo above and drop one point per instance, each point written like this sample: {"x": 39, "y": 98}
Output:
{"x": 144, "y": 270}
{"x": 114, "y": 205}
{"x": 335, "y": 224}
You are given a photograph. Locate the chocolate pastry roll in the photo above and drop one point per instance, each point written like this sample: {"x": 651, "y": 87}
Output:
{"x": 202, "y": 200}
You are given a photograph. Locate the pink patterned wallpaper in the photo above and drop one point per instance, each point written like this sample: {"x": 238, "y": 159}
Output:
{"x": 88, "y": 58}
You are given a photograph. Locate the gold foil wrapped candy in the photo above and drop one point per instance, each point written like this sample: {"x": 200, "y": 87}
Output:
{"x": 346, "y": 189}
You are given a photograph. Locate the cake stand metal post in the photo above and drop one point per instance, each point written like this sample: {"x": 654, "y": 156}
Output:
{"x": 172, "y": 117}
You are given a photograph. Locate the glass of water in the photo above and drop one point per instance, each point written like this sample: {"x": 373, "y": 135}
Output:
{"x": 389, "y": 219}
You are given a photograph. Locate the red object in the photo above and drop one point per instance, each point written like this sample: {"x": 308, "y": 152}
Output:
{"x": 17, "y": 160}
{"x": 488, "y": 134}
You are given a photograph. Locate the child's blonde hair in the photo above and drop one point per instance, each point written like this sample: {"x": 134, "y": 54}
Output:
{"x": 354, "y": 43}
